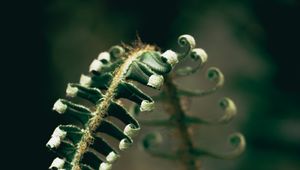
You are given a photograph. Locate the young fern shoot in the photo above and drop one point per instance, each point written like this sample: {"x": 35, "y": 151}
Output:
{"x": 81, "y": 146}
{"x": 172, "y": 96}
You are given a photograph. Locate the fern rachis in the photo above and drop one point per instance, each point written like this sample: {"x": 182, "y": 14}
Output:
{"x": 78, "y": 145}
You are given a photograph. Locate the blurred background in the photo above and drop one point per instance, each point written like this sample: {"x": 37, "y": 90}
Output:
{"x": 255, "y": 43}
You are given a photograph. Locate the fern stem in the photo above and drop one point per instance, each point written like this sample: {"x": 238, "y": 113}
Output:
{"x": 101, "y": 109}
{"x": 173, "y": 107}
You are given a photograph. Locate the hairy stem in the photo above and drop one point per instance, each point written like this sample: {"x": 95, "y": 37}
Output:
{"x": 173, "y": 107}
{"x": 101, "y": 109}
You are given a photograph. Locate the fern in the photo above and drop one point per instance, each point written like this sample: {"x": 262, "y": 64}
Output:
{"x": 79, "y": 145}
{"x": 175, "y": 100}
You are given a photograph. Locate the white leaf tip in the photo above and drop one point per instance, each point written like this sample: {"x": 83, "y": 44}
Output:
{"x": 146, "y": 106}
{"x": 189, "y": 38}
{"x": 124, "y": 144}
{"x": 112, "y": 156}
{"x": 155, "y": 81}
{"x": 57, "y": 163}
{"x": 71, "y": 91}
{"x": 201, "y": 53}
{"x": 131, "y": 130}
{"x": 56, "y": 138}
{"x": 171, "y": 57}
{"x": 85, "y": 80}
{"x": 104, "y": 56}
{"x": 60, "y": 107}
{"x": 59, "y": 133}
{"x": 105, "y": 166}
{"x": 54, "y": 142}
{"x": 96, "y": 66}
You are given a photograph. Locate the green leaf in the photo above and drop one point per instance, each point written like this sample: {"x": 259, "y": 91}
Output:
{"x": 121, "y": 113}
{"x": 115, "y": 132}
{"x": 154, "y": 61}
{"x": 131, "y": 92}
{"x": 139, "y": 72}
{"x": 66, "y": 150}
{"x": 101, "y": 146}
{"x": 99, "y": 81}
{"x": 91, "y": 94}
{"x": 79, "y": 112}
{"x": 91, "y": 159}
{"x": 74, "y": 133}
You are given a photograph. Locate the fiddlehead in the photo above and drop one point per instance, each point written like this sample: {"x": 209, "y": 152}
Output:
{"x": 79, "y": 146}
{"x": 171, "y": 96}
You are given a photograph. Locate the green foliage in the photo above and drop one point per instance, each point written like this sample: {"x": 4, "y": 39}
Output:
{"x": 179, "y": 119}
{"x": 79, "y": 146}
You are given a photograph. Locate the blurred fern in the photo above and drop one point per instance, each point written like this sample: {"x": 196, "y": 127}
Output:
{"x": 81, "y": 144}
{"x": 172, "y": 96}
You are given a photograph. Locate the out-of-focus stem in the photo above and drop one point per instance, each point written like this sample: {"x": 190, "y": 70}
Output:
{"x": 173, "y": 107}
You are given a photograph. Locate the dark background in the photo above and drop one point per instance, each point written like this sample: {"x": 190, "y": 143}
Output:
{"x": 47, "y": 44}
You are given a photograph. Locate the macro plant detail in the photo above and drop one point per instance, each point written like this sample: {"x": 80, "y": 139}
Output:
{"x": 174, "y": 100}
{"x": 81, "y": 145}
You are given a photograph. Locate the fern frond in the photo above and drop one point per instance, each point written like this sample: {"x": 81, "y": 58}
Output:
{"x": 79, "y": 146}
{"x": 173, "y": 96}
